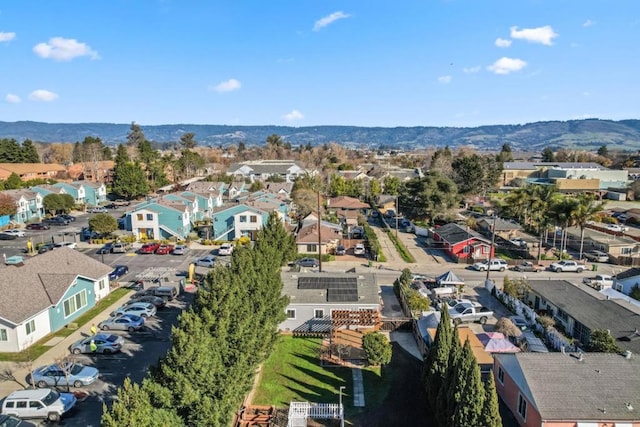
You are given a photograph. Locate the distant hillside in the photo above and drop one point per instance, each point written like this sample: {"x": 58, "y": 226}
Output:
{"x": 583, "y": 134}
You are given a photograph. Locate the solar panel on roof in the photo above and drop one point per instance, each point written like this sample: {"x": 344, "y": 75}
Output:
{"x": 314, "y": 282}
{"x": 342, "y": 295}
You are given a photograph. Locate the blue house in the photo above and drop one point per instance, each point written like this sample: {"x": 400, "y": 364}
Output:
{"x": 230, "y": 223}
{"x": 55, "y": 288}
{"x": 95, "y": 193}
{"x": 78, "y": 191}
{"x": 28, "y": 205}
{"x": 157, "y": 219}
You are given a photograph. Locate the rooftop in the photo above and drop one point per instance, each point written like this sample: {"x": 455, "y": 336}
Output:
{"x": 323, "y": 288}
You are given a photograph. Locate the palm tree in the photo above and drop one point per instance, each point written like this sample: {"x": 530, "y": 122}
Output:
{"x": 586, "y": 209}
{"x": 543, "y": 197}
{"x": 561, "y": 213}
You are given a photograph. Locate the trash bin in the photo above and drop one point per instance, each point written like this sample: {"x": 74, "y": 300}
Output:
{"x": 594, "y": 267}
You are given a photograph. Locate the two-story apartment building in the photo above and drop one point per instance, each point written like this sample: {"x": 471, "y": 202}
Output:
{"x": 28, "y": 204}
{"x": 157, "y": 219}
{"x": 55, "y": 288}
{"x": 29, "y": 171}
{"x": 261, "y": 170}
{"x": 235, "y": 221}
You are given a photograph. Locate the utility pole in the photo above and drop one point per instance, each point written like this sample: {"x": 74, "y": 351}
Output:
{"x": 397, "y": 213}
{"x": 491, "y": 248}
{"x": 319, "y": 236}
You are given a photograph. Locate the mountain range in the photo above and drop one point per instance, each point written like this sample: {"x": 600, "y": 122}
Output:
{"x": 579, "y": 134}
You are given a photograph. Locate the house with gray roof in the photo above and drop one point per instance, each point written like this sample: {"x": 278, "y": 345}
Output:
{"x": 54, "y": 289}
{"x": 564, "y": 389}
{"x": 261, "y": 170}
{"x": 313, "y": 297}
{"x": 28, "y": 205}
{"x": 463, "y": 243}
{"x": 626, "y": 280}
{"x": 581, "y": 309}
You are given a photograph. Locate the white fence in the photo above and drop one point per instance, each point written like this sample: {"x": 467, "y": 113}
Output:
{"x": 300, "y": 411}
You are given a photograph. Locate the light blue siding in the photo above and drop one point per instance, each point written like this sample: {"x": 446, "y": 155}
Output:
{"x": 57, "y": 312}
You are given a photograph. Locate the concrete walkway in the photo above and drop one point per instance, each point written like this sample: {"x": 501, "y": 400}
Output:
{"x": 358, "y": 388}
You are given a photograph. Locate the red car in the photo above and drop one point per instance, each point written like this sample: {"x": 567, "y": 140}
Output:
{"x": 164, "y": 250}
{"x": 37, "y": 226}
{"x": 149, "y": 248}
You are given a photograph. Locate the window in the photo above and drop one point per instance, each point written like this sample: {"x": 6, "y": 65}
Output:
{"x": 243, "y": 218}
{"x": 318, "y": 313}
{"x": 149, "y": 217}
{"x": 30, "y": 326}
{"x": 21, "y": 404}
{"x": 562, "y": 315}
{"x": 9, "y": 404}
{"x": 253, "y": 218}
{"x": 500, "y": 375}
{"x": 312, "y": 248}
{"x": 522, "y": 407}
{"x": 35, "y": 405}
{"x": 101, "y": 284}
{"x": 626, "y": 251}
{"x": 291, "y": 314}
{"x": 3, "y": 335}
{"x": 139, "y": 217}
{"x": 75, "y": 303}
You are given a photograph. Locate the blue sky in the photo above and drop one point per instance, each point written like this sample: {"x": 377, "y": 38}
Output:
{"x": 311, "y": 62}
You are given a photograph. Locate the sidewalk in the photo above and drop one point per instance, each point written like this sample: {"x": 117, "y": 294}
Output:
{"x": 59, "y": 349}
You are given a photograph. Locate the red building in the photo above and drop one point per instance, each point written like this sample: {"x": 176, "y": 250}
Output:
{"x": 463, "y": 243}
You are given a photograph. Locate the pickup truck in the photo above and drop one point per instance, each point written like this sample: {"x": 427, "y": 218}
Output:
{"x": 468, "y": 312}
{"x": 599, "y": 281}
{"x": 562, "y": 266}
{"x": 528, "y": 267}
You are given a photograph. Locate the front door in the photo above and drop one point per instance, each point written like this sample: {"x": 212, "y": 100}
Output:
{"x": 536, "y": 304}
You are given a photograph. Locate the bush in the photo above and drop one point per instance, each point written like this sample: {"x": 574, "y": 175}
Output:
{"x": 377, "y": 348}
{"x": 545, "y": 321}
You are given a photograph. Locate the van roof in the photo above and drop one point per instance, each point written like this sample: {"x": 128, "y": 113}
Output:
{"x": 29, "y": 394}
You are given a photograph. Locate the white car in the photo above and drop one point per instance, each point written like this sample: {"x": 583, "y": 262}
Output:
{"x": 616, "y": 227}
{"x": 180, "y": 250}
{"x": 225, "y": 249}
{"x": 207, "y": 261}
{"x": 15, "y": 232}
{"x": 97, "y": 209}
{"x": 70, "y": 245}
{"x": 493, "y": 265}
{"x": 358, "y": 249}
{"x": 142, "y": 309}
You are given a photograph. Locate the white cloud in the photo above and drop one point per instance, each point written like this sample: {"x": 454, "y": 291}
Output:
{"x": 543, "y": 35}
{"x": 506, "y": 65}
{"x": 61, "y": 49}
{"x": 588, "y": 23}
{"x": 12, "y": 99}
{"x": 293, "y": 116}
{"x": 444, "y": 79}
{"x": 503, "y": 42}
{"x": 42, "y": 95}
{"x": 329, "y": 19}
{"x": 7, "y": 37}
{"x": 226, "y": 86}
{"x": 472, "y": 70}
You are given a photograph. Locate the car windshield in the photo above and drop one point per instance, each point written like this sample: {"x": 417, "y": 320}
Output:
{"x": 10, "y": 422}
{"x": 112, "y": 338}
{"x": 50, "y": 398}
{"x": 460, "y": 308}
{"x": 75, "y": 369}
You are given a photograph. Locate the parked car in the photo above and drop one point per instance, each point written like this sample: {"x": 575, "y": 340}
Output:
{"x": 120, "y": 248}
{"x": 158, "y": 302}
{"x": 97, "y": 209}
{"x": 596, "y": 256}
{"x": 180, "y": 250}
{"x": 518, "y": 241}
{"x": 5, "y": 236}
{"x": 125, "y": 322}
{"x": 359, "y": 249}
{"x": 142, "y": 309}
{"x": 105, "y": 344}
{"x": 164, "y": 249}
{"x": 357, "y": 233}
{"x": 38, "y": 403}
{"x": 118, "y": 271}
{"x": 11, "y": 421}
{"x": 493, "y": 265}
{"x": 567, "y": 265}
{"x": 46, "y": 248}
{"x": 149, "y": 248}
{"x": 106, "y": 249}
{"x": 15, "y": 232}
{"x": 340, "y": 250}
{"x": 616, "y": 227}
{"x": 519, "y": 322}
{"x": 87, "y": 234}
{"x": 37, "y": 226}
{"x": 68, "y": 217}
{"x": 225, "y": 249}
{"x": 528, "y": 267}
{"x": 308, "y": 262}
{"x": 70, "y": 373}
{"x": 56, "y": 220}
{"x": 71, "y": 245}
{"x": 206, "y": 261}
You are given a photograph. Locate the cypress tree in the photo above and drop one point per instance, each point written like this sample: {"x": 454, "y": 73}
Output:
{"x": 490, "y": 410}
{"x": 449, "y": 394}
{"x": 438, "y": 359}
{"x": 29, "y": 152}
{"x": 468, "y": 410}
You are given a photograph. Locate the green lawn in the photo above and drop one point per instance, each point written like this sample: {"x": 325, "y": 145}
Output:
{"x": 293, "y": 373}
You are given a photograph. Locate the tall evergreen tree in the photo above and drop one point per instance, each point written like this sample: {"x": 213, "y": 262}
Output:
{"x": 438, "y": 359}
{"x": 14, "y": 182}
{"x": 469, "y": 406}
{"x": 29, "y": 152}
{"x": 135, "y": 137}
{"x": 10, "y": 151}
{"x": 490, "y": 410}
{"x": 129, "y": 181}
{"x": 451, "y": 388}
{"x": 122, "y": 157}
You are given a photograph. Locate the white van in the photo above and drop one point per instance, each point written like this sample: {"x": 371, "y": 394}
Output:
{"x": 42, "y": 403}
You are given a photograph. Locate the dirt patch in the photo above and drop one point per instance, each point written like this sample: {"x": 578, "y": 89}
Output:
{"x": 405, "y": 403}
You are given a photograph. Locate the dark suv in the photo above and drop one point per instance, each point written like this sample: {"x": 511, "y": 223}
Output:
{"x": 56, "y": 220}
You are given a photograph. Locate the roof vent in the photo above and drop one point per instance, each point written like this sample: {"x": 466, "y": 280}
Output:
{"x": 627, "y": 354}
{"x": 628, "y": 405}
{"x": 581, "y": 357}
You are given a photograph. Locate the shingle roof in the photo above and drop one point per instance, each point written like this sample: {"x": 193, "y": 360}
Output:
{"x": 346, "y": 202}
{"x": 15, "y": 194}
{"x": 564, "y": 388}
{"x": 592, "y": 309}
{"x": 22, "y": 168}
{"x": 453, "y": 233}
{"x": 632, "y": 272}
{"x": 43, "y": 280}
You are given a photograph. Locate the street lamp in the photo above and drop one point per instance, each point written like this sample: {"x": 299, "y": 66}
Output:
{"x": 341, "y": 410}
